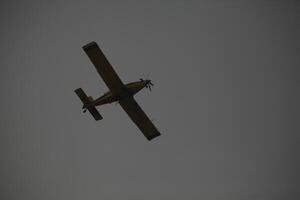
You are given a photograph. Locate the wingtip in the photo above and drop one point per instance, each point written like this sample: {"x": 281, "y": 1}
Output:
{"x": 90, "y": 45}
{"x": 151, "y": 137}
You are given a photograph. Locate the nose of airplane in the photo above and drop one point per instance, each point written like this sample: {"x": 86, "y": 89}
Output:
{"x": 148, "y": 84}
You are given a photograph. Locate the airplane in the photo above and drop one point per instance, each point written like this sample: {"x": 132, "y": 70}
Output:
{"x": 118, "y": 92}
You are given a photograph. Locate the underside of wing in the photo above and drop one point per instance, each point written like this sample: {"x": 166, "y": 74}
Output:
{"x": 105, "y": 70}
{"x": 138, "y": 116}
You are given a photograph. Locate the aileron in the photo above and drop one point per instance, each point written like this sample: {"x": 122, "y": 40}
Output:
{"x": 107, "y": 73}
{"x": 138, "y": 116}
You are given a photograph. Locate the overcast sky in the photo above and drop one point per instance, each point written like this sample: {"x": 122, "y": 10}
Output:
{"x": 226, "y": 100}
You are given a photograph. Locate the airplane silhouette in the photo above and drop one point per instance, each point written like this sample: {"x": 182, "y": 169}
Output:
{"x": 118, "y": 92}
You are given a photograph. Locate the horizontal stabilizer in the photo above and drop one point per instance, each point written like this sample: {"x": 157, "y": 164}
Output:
{"x": 82, "y": 96}
{"x": 95, "y": 113}
{"x": 86, "y": 100}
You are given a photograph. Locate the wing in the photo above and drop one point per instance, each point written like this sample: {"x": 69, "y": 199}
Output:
{"x": 138, "y": 116}
{"x": 108, "y": 74}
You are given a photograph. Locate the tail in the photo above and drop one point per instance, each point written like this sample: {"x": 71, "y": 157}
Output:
{"x": 86, "y": 100}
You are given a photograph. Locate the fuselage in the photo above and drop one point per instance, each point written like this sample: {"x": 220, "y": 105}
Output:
{"x": 108, "y": 97}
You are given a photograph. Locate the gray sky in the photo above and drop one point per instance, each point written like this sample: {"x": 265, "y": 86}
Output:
{"x": 226, "y": 100}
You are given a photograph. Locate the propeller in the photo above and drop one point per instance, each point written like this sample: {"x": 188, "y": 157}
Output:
{"x": 148, "y": 83}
